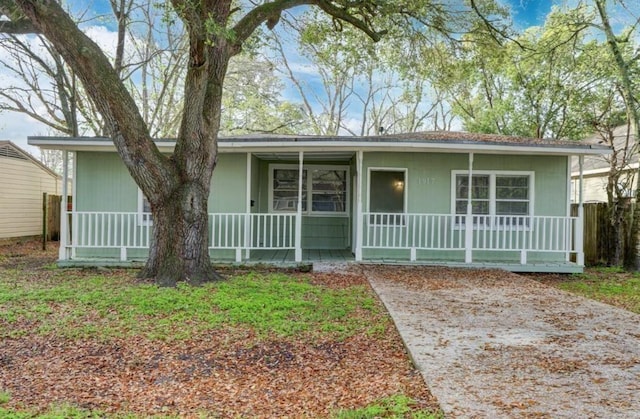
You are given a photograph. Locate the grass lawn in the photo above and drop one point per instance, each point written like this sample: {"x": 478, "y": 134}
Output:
{"x": 87, "y": 343}
{"x": 610, "y": 285}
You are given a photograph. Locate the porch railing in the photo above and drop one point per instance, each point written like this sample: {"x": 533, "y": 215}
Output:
{"x": 133, "y": 230}
{"x": 412, "y": 232}
{"x": 448, "y": 232}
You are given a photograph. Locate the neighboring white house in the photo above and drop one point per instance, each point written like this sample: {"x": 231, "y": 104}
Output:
{"x": 24, "y": 180}
{"x": 596, "y": 169}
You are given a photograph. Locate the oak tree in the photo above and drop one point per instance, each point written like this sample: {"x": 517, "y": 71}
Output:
{"x": 178, "y": 186}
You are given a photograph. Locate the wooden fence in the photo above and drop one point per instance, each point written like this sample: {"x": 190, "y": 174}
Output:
{"x": 596, "y": 232}
{"x": 50, "y": 217}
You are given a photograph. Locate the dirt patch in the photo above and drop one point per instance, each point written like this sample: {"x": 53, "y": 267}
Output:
{"x": 21, "y": 254}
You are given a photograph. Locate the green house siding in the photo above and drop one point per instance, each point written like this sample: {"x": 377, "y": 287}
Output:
{"x": 229, "y": 184}
{"x": 104, "y": 184}
{"x": 428, "y": 182}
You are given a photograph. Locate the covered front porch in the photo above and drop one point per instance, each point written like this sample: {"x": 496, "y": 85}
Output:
{"x": 284, "y": 224}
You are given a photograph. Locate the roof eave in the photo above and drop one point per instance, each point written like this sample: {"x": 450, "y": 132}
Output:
{"x": 101, "y": 144}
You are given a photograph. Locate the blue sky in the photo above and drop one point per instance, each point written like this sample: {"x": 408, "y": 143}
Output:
{"x": 530, "y": 12}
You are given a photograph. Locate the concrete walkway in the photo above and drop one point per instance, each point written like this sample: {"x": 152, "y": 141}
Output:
{"x": 492, "y": 344}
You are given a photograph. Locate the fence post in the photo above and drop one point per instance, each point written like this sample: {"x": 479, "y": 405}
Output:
{"x": 44, "y": 221}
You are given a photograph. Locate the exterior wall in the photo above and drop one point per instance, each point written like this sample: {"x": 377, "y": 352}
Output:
{"x": 428, "y": 190}
{"x": 104, "y": 184}
{"x": 594, "y": 188}
{"x": 23, "y": 183}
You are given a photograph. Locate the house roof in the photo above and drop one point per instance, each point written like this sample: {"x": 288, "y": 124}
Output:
{"x": 10, "y": 150}
{"x": 436, "y": 141}
{"x": 599, "y": 164}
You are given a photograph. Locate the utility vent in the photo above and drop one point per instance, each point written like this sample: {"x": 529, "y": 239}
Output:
{"x": 12, "y": 153}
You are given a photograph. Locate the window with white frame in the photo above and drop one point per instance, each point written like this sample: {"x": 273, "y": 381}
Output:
{"x": 144, "y": 209}
{"x": 324, "y": 189}
{"x": 387, "y": 196}
{"x": 499, "y": 198}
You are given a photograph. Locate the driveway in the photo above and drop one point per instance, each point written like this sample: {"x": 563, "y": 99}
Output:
{"x": 495, "y": 344}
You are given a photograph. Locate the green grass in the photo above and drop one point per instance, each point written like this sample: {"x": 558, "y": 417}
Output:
{"x": 610, "y": 285}
{"x": 104, "y": 307}
{"x": 397, "y": 406}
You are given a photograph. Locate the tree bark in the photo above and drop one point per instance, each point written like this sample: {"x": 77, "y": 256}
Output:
{"x": 180, "y": 234}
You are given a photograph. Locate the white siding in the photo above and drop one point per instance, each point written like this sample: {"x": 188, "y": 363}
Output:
{"x": 22, "y": 183}
{"x": 594, "y": 188}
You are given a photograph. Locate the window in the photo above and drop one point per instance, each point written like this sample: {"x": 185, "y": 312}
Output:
{"x": 329, "y": 190}
{"x": 503, "y": 198}
{"x": 387, "y": 196}
{"x": 324, "y": 189}
{"x": 285, "y": 189}
{"x": 144, "y": 209}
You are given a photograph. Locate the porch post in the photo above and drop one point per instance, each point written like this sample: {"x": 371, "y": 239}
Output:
{"x": 64, "y": 218}
{"x": 299, "y": 212}
{"x": 74, "y": 217}
{"x": 468, "y": 224}
{"x": 247, "y": 216}
{"x": 359, "y": 216}
{"x": 580, "y": 221}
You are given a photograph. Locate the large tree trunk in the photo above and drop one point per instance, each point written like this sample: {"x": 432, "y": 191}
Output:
{"x": 180, "y": 235}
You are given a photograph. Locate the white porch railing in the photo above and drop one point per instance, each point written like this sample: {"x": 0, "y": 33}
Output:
{"x": 447, "y": 232}
{"x": 384, "y": 231}
{"x": 132, "y": 230}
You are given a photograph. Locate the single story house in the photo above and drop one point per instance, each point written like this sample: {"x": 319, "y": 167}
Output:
{"x": 596, "y": 168}
{"x": 425, "y": 198}
{"x": 24, "y": 180}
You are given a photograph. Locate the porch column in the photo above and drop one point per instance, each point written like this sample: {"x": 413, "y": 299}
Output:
{"x": 468, "y": 224}
{"x": 299, "y": 212}
{"x": 359, "y": 217}
{"x": 64, "y": 218}
{"x": 247, "y": 217}
{"x": 580, "y": 221}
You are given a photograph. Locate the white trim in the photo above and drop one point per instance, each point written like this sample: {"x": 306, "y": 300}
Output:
{"x": 492, "y": 188}
{"x": 310, "y": 168}
{"x": 389, "y": 169}
{"x": 247, "y": 220}
{"x": 142, "y": 219}
{"x": 359, "y": 216}
{"x": 74, "y": 189}
{"x": 64, "y": 218}
{"x": 298, "y": 251}
{"x": 102, "y": 144}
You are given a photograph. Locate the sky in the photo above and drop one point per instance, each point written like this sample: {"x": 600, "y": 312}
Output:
{"x": 17, "y": 127}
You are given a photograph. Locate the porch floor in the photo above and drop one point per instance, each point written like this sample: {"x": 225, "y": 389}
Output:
{"x": 286, "y": 258}
{"x": 308, "y": 255}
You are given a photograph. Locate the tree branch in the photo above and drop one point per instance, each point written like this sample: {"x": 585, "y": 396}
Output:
{"x": 270, "y": 13}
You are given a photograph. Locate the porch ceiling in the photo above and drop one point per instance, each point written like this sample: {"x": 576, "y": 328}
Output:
{"x": 308, "y": 156}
